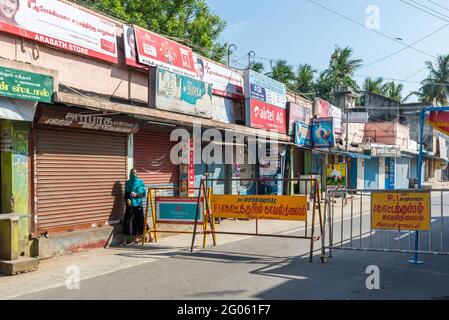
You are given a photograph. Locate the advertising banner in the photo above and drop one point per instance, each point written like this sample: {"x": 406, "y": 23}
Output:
{"x": 156, "y": 51}
{"x": 292, "y": 208}
{"x": 178, "y": 93}
{"x": 61, "y": 24}
{"x": 301, "y": 113}
{"x": 302, "y": 134}
{"x": 322, "y": 108}
{"x": 440, "y": 121}
{"x": 336, "y": 176}
{"x": 225, "y": 82}
{"x": 336, "y": 113}
{"x": 180, "y": 210}
{"x": 265, "y": 89}
{"x": 18, "y": 84}
{"x": 323, "y": 133}
{"x": 129, "y": 41}
{"x": 409, "y": 211}
{"x": 187, "y": 171}
{"x": 262, "y": 115}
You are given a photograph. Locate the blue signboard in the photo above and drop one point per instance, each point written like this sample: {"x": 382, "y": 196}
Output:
{"x": 323, "y": 133}
{"x": 177, "y": 210}
{"x": 302, "y": 134}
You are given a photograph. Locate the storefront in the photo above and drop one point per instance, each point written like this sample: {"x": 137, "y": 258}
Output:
{"x": 79, "y": 168}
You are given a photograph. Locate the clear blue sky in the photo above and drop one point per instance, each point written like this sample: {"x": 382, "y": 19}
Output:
{"x": 301, "y": 32}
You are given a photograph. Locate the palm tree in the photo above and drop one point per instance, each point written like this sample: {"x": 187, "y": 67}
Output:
{"x": 374, "y": 85}
{"x": 436, "y": 86}
{"x": 304, "y": 80}
{"x": 257, "y": 67}
{"x": 282, "y": 72}
{"x": 342, "y": 68}
{"x": 393, "y": 90}
{"x": 324, "y": 86}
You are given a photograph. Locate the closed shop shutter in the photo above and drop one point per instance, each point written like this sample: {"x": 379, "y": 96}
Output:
{"x": 152, "y": 159}
{"x": 79, "y": 178}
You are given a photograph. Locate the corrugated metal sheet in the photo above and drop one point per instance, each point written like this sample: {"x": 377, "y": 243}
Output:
{"x": 152, "y": 158}
{"x": 79, "y": 178}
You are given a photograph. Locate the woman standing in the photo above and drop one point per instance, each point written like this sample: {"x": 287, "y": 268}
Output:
{"x": 133, "y": 222}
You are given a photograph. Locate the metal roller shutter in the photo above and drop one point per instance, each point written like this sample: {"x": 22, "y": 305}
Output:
{"x": 79, "y": 178}
{"x": 152, "y": 159}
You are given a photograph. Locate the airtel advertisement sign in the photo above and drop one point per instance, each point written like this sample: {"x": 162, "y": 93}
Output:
{"x": 265, "y": 102}
{"x": 266, "y": 116}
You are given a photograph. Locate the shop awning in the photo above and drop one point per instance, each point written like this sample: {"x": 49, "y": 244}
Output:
{"x": 351, "y": 154}
{"x": 14, "y": 109}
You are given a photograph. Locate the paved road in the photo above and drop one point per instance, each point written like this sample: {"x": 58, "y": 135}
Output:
{"x": 265, "y": 268}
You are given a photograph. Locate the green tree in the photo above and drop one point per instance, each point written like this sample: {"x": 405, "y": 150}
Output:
{"x": 393, "y": 90}
{"x": 436, "y": 86}
{"x": 304, "y": 81}
{"x": 257, "y": 66}
{"x": 282, "y": 72}
{"x": 376, "y": 85}
{"x": 189, "y": 21}
{"x": 324, "y": 86}
{"x": 342, "y": 68}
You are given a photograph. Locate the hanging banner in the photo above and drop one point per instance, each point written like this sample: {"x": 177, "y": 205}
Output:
{"x": 179, "y": 210}
{"x": 323, "y": 133}
{"x": 440, "y": 121}
{"x": 178, "y": 93}
{"x": 225, "y": 82}
{"x": 187, "y": 171}
{"x": 61, "y": 24}
{"x": 157, "y": 51}
{"x": 18, "y": 84}
{"x": 336, "y": 176}
{"x": 408, "y": 211}
{"x": 292, "y": 208}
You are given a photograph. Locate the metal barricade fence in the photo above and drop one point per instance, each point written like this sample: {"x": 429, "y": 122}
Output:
{"x": 348, "y": 225}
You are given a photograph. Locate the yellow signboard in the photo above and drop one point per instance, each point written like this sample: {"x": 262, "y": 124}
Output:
{"x": 336, "y": 176}
{"x": 293, "y": 208}
{"x": 401, "y": 211}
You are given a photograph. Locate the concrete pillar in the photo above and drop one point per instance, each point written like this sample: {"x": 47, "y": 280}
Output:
{"x": 15, "y": 176}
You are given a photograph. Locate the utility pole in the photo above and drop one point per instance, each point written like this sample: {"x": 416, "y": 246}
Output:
{"x": 347, "y": 125}
{"x": 251, "y": 54}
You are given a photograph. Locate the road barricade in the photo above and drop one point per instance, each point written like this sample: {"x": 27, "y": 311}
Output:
{"x": 261, "y": 207}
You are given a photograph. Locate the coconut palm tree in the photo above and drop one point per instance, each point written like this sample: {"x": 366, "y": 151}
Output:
{"x": 393, "y": 90}
{"x": 282, "y": 72}
{"x": 324, "y": 86}
{"x": 342, "y": 68}
{"x": 304, "y": 80}
{"x": 374, "y": 85}
{"x": 436, "y": 86}
{"x": 257, "y": 66}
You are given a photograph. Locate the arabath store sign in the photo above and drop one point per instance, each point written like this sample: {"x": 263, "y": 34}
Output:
{"x": 265, "y": 102}
{"x": 62, "y": 25}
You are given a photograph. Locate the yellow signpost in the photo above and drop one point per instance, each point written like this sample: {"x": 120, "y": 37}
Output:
{"x": 292, "y": 208}
{"x": 408, "y": 211}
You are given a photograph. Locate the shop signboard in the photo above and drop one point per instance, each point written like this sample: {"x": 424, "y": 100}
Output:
{"x": 187, "y": 174}
{"x": 157, "y": 51}
{"x": 65, "y": 117}
{"x": 404, "y": 211}
{"x": 129, "y": 41}
{"x": 298, "y": 113}
{"x": 226, "y": 82}
{"x": 63, "y": 25}
{"x": 291, "y": 208}
{"x": 356, "y": 117}
{"x": 302, "y": 134}
{"x": 179, "y": 210}
{"x": 336, "y": 176}
{"x": 181, "y": 94}
{"x": 323, "y": 133}
{"x": 265, "y": 89}
{"x": 262, "y": 115}
{"x": 18, "y": 84}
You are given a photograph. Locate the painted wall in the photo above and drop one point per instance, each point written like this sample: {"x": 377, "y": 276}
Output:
{"x": 15, "y": 176}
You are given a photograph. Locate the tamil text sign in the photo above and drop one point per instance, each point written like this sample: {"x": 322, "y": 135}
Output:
{"x": 26, "y": 85}
{"x": 293, "y": 208}
{"x": 63, "y": 25}
{"x": 401, "y": 211}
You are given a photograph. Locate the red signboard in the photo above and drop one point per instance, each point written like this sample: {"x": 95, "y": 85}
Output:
{"x": 440, "y": 121}
{"x": 61, "y": 24}
{"x": 266, "y": 116}
{"x": 155, "y": 50}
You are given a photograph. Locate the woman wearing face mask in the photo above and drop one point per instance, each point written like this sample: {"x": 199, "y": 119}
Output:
{"x": 8, "y": 11}
{"x": 133, "y": 221}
